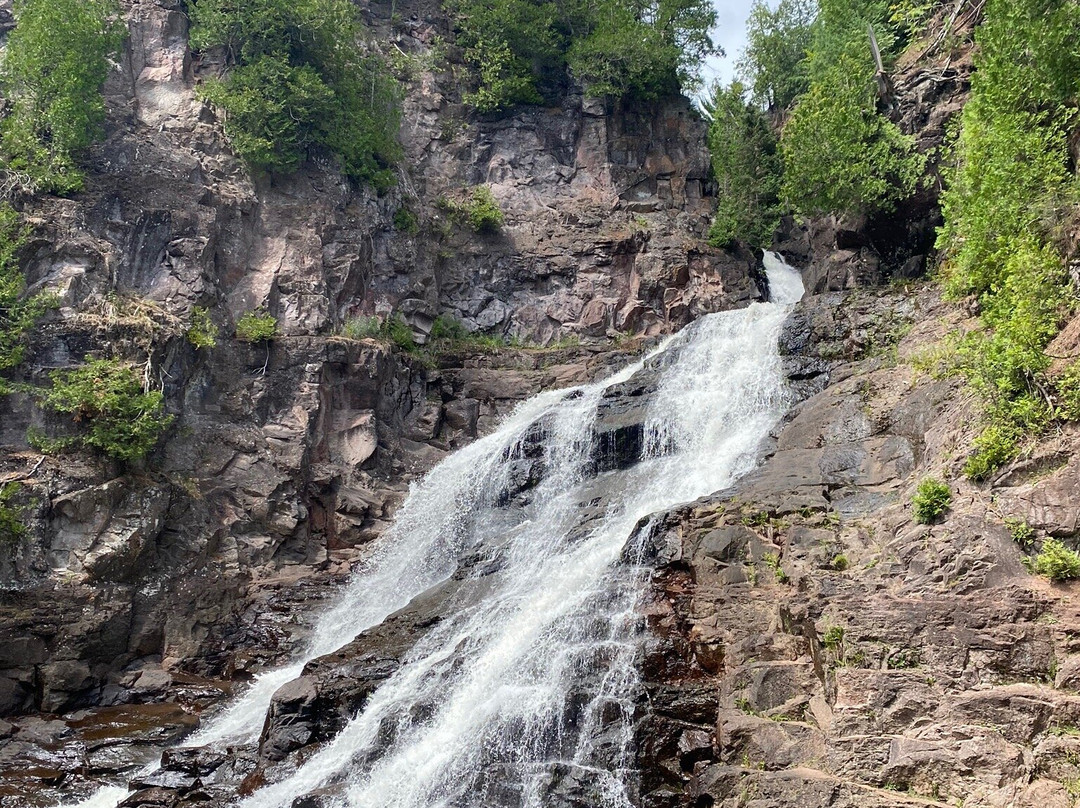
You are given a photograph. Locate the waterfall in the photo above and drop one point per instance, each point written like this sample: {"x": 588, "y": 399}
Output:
{"x": 529, "y": 683}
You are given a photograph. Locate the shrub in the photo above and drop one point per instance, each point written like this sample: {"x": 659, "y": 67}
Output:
{"x": 107, "y": 402}
{"x": 1056, "y": 561}
{"x": 17, "y": 312}
{"x": 54, "y": 66}
{"x": 302, "y": 82}
{"x": 931, "y": 500}
{"x": 400, "y": 333}
{"x": 12, "y": 528}
{"x": 747, "y": 169}
{"x": 833, "y": 637}
{"x": 256, "y": 326}
{"x": 406, "y": 221}
{"x": 482, "y": 211}
{"x": 361, "y": 328}
{"x": 448, "y": 329}
{"x": 840, "y": 155}
{"x": 840, "y": 562}
{"x": 1020, "y": 531}
{"x": 202, "y": 333}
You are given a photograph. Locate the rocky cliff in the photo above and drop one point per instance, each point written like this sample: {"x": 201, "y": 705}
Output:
{"x": 148, "y": 589}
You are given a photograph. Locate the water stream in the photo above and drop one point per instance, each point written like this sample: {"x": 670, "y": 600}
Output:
{"x": 528, "y": 685}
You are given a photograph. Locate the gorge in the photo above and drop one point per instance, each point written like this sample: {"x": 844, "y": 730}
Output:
{"x": 397, "y": 407}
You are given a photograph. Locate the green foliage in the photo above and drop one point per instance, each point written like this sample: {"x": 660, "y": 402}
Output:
{"x": 747, "y": 169}
{"x": 12, "y": 528}
{"x": 1056, "y": 561}
{"x": 1020, "y": 531}
{"x": 840, "y": 562}
{"x": 392, "y": 329}
{"x": 1011, "y": 166}
{"x": 406, "y": 221}
{"x": 54, "y": 66}
{"x": 931, "y": 500}
{"x": 447, "y": 328}
{"x": 106, "y": 400}
{"x": 302, "y": 83}
{"x": 840, "y": 155}
{"x": 483, "y": 212}
{"x": 833, "y": 637}
{"x": 523, "y": 51}
{"x": 256, "y": 326}
{"x": 361, "y": 328}
{"x": 772, "y": 561}
{"x": 778, "y": 42}
{"x": 203, "y": 332}
{"x": 17, "y": 312}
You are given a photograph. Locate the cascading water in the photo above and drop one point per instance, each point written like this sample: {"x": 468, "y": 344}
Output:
{"x": 527, "y": 685}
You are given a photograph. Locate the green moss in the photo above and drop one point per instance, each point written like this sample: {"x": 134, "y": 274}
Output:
{"x": 931, "y": 500}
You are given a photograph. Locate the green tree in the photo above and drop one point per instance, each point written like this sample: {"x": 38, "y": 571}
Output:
{"x": 840, "y": 154}
{"x": 747, "y": 169}
{"x": 302, "y": 82}
{"x": 112, "y": 412}
{"x": 54, "y": 66}
{"x": 1011, "y": 181}
{"x": 526, "y": 51}
{"x": 774, "y": 62}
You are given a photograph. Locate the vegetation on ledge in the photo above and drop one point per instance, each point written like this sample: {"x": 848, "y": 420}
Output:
{"x": 302, "y": 81}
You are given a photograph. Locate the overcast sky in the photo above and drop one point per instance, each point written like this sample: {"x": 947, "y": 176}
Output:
{"x": 730, "y": 34}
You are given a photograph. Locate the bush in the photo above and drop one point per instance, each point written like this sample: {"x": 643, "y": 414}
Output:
{"x": 1020, "y": 531}
{"x": 482, "y": 211}
{"x": 406, "y": 221}
{"x": 840, "y": 562}
{"x": 931, "y": 500}
{"x": 747, "y": 169}
{"x": 1056, "y": 561}
{"x": 107, "y": 402}
{"x": 833, "y": 637}
{"x": 361, "y": 328}
{"x": 17, "y": 313}
{"x": 302, "y": 83}
{"x": 202, "y": 333}
{"x": 256, "y": 326}
{"x": 54, "y": 66}
{"x": 448, "y": 329}
{"x": 12, "y": 528}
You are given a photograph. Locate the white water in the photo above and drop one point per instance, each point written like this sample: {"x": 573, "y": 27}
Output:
{"x": 537, "y": 672}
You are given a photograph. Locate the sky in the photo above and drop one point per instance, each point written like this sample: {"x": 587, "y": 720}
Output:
{"x": 729, "y": 34}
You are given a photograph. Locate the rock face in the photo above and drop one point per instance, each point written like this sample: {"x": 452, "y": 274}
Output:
{"x": 861, "y": 658}
{"x": 165, "y": 581}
